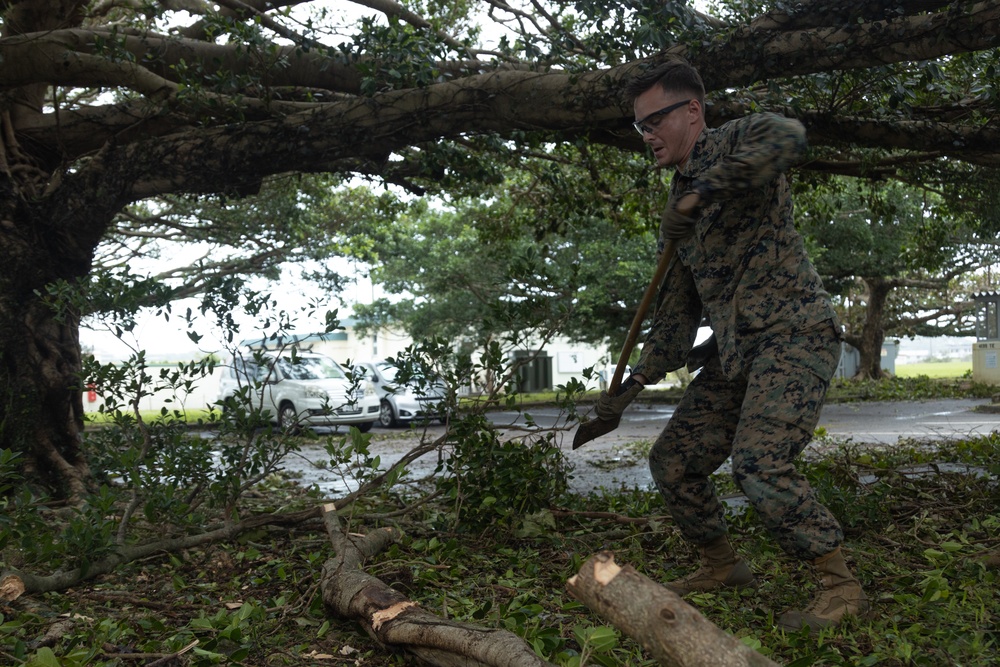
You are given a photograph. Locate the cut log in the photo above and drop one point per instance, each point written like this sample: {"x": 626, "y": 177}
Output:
{"x": 674, "y": 632}
{"x": 400, "y": 624}
{"x": 11, "y": 588}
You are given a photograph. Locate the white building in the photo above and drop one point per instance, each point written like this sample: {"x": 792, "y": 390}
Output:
{"x": 540, "y": 369}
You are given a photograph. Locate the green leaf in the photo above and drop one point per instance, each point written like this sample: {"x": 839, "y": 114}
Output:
{"x": 934, "y": 555}
{"x": 603, "y": 638}
{"x": 44, "y": 657}
{"x": 209, "y": 654}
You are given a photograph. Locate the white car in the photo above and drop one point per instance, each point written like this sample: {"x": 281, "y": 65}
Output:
{"x": 415, "y": 400}
{"x": 303, "y": 389}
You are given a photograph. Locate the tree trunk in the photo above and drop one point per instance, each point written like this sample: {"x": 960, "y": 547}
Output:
{"x": 869, "y": 344}
{"x": 673, "y": 631}
{"x": 41, "y": 406}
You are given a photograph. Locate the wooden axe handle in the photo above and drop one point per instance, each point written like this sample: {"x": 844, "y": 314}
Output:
{"x": 688, "y": 204}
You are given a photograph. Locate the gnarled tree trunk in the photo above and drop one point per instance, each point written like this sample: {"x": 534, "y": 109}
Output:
{"x": 41, "y": 408}
{"x": 48, "y": 233}
{"x": 869, "y": 343}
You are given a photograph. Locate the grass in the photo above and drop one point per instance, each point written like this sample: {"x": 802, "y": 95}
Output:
{"x": 935, "y": 369}
{"x": 191, "y": 415}
{"x": 912, "y": 381}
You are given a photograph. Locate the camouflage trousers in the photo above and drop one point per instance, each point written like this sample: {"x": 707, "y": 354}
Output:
{"x": 763, "y": 419}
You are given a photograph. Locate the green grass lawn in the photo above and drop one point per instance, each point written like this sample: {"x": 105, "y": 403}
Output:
{"x": 934, "y": 369}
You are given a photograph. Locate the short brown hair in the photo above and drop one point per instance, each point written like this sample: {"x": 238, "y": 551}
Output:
{"x": 675, "y": 75}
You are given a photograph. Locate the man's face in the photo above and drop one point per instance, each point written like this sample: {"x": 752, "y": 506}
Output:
{"x": 670, "y": 123}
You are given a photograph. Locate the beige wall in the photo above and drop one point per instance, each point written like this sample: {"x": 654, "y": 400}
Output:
{"x": 384, "y": 343}
{"x": 986, "y": 361}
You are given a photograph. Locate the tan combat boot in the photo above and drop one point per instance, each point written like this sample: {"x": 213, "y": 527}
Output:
{"x": 721, "y": 567}
{"x": 841, "y": 596}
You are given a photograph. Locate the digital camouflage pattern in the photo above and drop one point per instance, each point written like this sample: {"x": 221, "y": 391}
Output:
{"x": 758, "y": 398}
{"x": 745, "y": 267}
{"x": 763, "y": 419}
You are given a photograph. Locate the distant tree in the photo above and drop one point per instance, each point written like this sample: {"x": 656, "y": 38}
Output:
{"x": 897, "y": 259}
{"x": 562, "y": 244}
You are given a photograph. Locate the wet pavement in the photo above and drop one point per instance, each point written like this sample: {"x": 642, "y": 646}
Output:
{"x": 618, "y": 459}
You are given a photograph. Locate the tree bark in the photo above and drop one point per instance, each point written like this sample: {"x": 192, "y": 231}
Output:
{"x": 873, "y": 330}
{"x": 41, "y": 405}
{"x": 399, "y": 623}
{"x": 672, "y": 631}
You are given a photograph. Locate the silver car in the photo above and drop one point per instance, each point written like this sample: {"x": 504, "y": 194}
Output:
{"x": 416, "y": 400}
{"x": 303, "y": 389}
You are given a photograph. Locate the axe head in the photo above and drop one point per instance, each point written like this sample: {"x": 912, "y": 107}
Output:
{"x": 595, "y": 428}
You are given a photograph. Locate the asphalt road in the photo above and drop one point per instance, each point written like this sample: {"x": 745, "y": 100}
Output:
{"x": 888, "y": 422}
{"x": 614, "y": 460}
{"x": 874, "y": 422}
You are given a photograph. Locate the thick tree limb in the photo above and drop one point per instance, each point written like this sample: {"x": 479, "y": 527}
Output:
{"x": 754, "y": 55}
{"x": 974, "y": 144}
{"x": 401, "y": 624}
{"x": 669, "y": 628}
{"x": 751, "y": 55}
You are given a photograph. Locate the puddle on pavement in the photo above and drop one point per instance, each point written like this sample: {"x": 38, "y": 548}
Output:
{"x": 593, "y": 470}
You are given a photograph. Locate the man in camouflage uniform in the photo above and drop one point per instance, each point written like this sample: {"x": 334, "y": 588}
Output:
{"x": 776, "y": 342}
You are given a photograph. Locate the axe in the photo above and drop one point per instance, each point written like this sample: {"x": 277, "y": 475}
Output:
{"x": 595, "y": 428}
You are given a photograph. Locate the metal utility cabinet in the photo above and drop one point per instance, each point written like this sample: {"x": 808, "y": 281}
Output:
{"x": 986, "y": 349}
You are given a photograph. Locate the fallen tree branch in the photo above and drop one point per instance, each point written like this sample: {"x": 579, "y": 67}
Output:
{"x": 127, "y": 599}
{"x": 172, "y": 656}
{"x": 610, "y": 516}
{"x": 399, "y": 623}
{"x": 672, "y": 631}
{"x": 394, "y": 470}
{"x": 56, "y": 631}
{"x": 14, "y": 583}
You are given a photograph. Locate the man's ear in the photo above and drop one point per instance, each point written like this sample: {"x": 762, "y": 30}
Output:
{"x": 695, "y": 109}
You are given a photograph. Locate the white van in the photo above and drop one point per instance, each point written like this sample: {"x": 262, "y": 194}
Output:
{"x": 302, "y": 389}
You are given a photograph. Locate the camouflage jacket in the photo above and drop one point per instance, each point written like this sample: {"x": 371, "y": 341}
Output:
{"x": 745, "y": 268}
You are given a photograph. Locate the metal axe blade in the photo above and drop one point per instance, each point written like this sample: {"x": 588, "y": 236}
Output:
{"x": 595, "y": 428}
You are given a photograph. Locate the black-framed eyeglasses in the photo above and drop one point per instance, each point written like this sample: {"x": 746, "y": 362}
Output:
{"x": 642, "y": 126}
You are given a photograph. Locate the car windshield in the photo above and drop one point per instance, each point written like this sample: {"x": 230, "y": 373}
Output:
{"x": 311, "y": 368}
{"x": 390, "y": 374}
{"x": 388, "y": 371}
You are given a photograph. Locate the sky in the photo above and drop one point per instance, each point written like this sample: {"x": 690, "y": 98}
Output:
{"x": 166, "y": 339}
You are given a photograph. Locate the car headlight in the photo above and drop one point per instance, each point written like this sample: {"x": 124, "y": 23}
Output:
{"x": 316, "y": 392}
{"x": 369, "y": 389}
